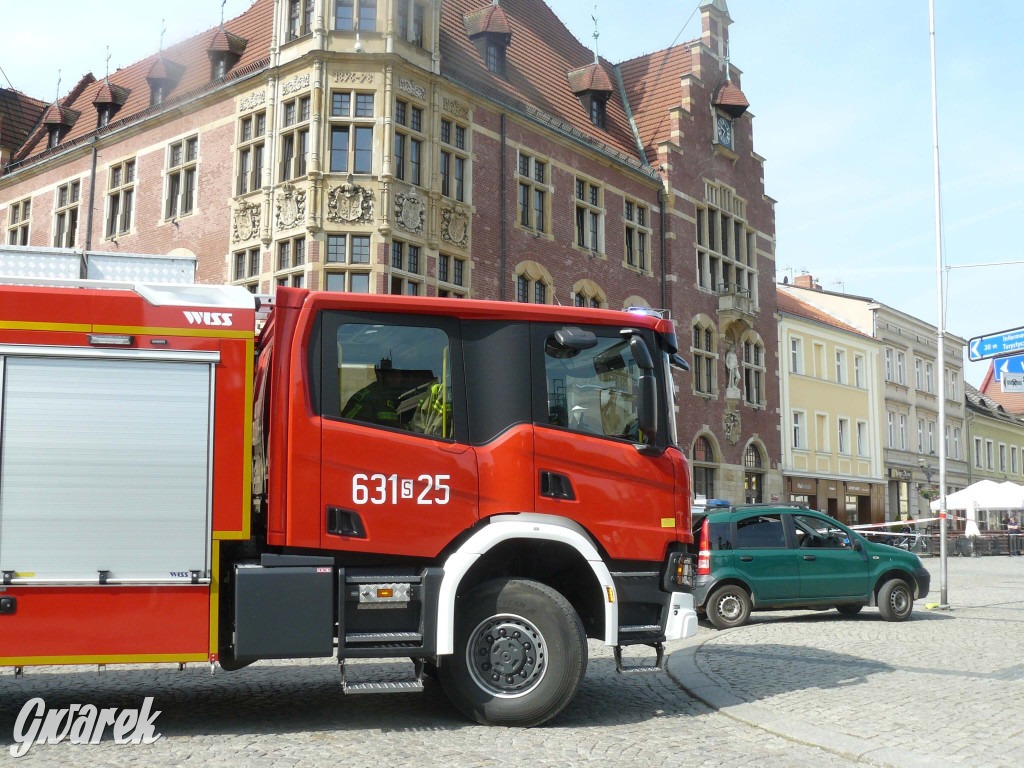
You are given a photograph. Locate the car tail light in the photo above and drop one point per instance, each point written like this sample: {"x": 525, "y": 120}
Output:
{"x": 704, "y": 555}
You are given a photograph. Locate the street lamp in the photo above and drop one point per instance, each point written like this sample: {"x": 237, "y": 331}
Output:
{"x": 928, "y": 471}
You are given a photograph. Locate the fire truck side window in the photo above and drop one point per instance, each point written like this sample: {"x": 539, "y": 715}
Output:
{"x": 593, "y": 390}
{"x": 395, "y": 376}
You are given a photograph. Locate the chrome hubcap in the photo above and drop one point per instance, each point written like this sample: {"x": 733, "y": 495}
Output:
{"x": 506, "y": 655}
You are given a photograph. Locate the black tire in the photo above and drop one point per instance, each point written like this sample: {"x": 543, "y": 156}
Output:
{"x": 896, "y": 600}
{"x": 530, "y": 650}
{"x": 728, "y": 606}
{"x": 849, "y": 610}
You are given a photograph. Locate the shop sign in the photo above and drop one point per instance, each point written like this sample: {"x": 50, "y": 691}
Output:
{"x": 862, "y": 488}
{"x": 796, "y": 484}
{"x": 899, "y": 474}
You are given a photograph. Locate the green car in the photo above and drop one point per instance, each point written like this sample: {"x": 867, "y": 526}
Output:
{"x": 775, "y": 556}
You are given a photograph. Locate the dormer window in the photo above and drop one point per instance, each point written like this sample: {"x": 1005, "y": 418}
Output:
{"x": 156, "y": 94}
{"x": 53, "y": 136}
{"x": 162, "y": 77}
{"x": 597, "y": 110}
{"x": 224, "y": 51}
{"x": 218, "y": 66}
{"x": 592, "y": 87}
{"x": 103, "y": 116}
{"x": 58, "y": 121}
{"x": 489, "y": 31}
{"x": 108, "y": 100}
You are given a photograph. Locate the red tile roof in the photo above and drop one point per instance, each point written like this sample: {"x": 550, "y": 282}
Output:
{"x": 792, "y": 305}
{"x": 592, "y": 77}
{"x": 652, "y": 88}
{"x": 58, "y": 115}
{"x": 490, "y": 20}
{"x": 226, "y": 42}
{"x": 993, "y": 390}
{"x": 110, "y": 94}
{"x": 255, "y": 26}
{"x": 542, "y": 53}
{"x": 730, "y": 98}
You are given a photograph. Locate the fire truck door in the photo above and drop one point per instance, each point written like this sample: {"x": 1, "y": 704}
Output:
{"x": 588, "y": 464}
{"x": 398, "y": 475}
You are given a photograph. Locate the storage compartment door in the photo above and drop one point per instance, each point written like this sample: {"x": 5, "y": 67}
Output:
{"x": 104, "y": 466}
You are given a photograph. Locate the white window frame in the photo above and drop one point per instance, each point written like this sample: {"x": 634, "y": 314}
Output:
{"x": 179, "y": 199}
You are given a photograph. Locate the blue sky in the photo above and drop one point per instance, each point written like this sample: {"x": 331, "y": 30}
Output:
{"x": 841, "y": 95}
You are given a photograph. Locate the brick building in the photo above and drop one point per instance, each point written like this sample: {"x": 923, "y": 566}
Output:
{"x": 439, "y": 148}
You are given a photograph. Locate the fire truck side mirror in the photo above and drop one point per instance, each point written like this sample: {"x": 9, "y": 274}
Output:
{"x": 647, "y": 402}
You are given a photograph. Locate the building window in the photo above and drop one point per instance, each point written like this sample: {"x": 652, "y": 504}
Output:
{"x": 589, "y": 216}
{"x": 534, "y": 188}
{"x": 892, "y": 429}
{"x": 1002, "y": 457}
{"x": 703, "y": 468}
{"x": 120, "y": 198}
{"x": 858, "y": 371}
{"x": 929, "y": 378}
{"x": 587, "y": 293}
{"x": 19, "y": 220}
{"x": 291, "y": 258}
{"x": 495, "y": 58}
{"x": 1013, "y": 459}
{"x": 454, "y": 160}
{"x": 65, "y": 224}
{"x": 753, "y": 372}
{"x": 726, "y": 247}
{"x": 300, "y": 18}
{"x": 411, "y": 19}
{"x": 638, "y": 234}
{"x": 294, "y": 138}
{"x": 920, "y": 435}
{"x": 956, "y": 442}
{"x": 182, "y": 159}
{"x": 405, "y": 269}
{"x": 931, "y": 437}
{"x": 840, "y": 366}
{"x": 355, "y": 15}
{"x": 704, "y": 357}
{"x": 988, "y": 455}
{"x": 753, "y": 476}
{"x": 862, "y": 438}
{"x": 821, "y": 433}
{"x": 903, "y": 432}
{"x": 796, "y": 355}
{"x": 888, "y": 364}
{"x": 901, "y": 375}
{"x": 533, "y": 284}
{"x": 252, "y": 131}
{"x": 917, "y": 375}
{"x": 799, "y": 439}
{"x": 977, "y": 453}
{"x": 408, "y": 142}
{"x": 844, "y": 435}
{"x": 951, "y": 394}
{"x": 352, "y": 117}
{"x": 247, "y": 268}
{"x": 451, "y": 276}
{"x": 347, "y": 265}
{"x": 598, "y": 110}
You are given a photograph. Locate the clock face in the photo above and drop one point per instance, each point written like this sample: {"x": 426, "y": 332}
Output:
{"x": 725, "y": 131}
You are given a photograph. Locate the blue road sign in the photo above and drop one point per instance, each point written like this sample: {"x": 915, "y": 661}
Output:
{"x": 1013, "y": 364}
{"x": 995, "y": 344}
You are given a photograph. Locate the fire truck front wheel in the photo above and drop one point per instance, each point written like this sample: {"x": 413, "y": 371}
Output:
{"x": 520, "y": 653}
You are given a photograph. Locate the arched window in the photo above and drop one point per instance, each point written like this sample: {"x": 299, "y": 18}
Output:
{"x": 753, "y": 475}
{"x": 703, "y": 468}
{"x": 587, "y": 293}
{"x": 703, "y": 351}
{"x": 533, "y": 284}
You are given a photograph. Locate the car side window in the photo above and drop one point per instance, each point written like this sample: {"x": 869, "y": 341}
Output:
{"x": 720, "y": 536}
{"x": 592, "y": 390}
{"x": 760, "y": 532}
{"x": 812, "y": 531}
{"x": 395, "y": 376}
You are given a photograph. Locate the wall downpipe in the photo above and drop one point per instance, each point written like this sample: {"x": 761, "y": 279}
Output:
{"x": 501, "y": 277}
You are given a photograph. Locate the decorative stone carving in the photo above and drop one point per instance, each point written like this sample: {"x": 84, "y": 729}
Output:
{"x": 291, "y": 207}
{"x": 297, "y": 83}
{"x": 245, "y": 222}
{"x": 457, "y": 109}
{"x": 455, "y": 225}
{"x": 252, "y": 101}
{"x": 409, "y": 212}
{"x": 731, "y": 425}
{"x": 355, "y": 78}
{"x": 350, "y": 203}
{"x": 413, "y": 89}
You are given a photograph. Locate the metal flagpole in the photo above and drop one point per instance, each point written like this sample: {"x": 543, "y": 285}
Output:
{"x": 941, "y": 355}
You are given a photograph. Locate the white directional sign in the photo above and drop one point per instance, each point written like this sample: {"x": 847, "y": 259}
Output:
{"x": 1013, "y": 382}
{"x": 996, "y": 344}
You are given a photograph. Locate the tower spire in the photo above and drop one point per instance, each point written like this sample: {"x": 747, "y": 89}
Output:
{"x": 597, "y": 34}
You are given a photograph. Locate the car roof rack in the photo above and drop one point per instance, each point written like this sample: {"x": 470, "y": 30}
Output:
{"x": 770, "y": 505}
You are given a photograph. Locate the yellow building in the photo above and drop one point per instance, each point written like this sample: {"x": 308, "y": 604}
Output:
{"x": 832, "y": 407}
{"x": 995, "y": 440}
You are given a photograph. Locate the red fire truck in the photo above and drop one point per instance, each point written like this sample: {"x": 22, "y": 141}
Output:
{"x": 476, "y": 486}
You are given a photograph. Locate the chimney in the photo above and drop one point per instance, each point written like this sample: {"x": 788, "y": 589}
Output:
{"x": 807, "y": 281}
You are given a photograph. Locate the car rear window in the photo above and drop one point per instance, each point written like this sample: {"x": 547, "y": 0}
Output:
{"x": 719, "y": 536}
{"x": 760, "y": 532}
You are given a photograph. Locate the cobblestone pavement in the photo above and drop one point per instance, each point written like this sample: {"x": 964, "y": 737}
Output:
{"x": 826, "y": 693}
{"x": 945, "y": 688}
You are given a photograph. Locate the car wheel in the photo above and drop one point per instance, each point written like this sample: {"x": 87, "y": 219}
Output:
{"x": 849, "y": 610}
{"x": 729, "y": 606}
{"x": 895, "y": 600}
{"x": 520, "y": 653}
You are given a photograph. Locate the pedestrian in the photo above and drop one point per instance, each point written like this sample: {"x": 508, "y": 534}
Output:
{"x": 1013, "y": 536}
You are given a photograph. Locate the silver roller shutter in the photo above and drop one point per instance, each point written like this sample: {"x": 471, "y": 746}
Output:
{"x": 104, "y": 465}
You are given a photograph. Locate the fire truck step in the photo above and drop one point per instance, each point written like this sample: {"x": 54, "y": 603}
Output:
{"x": 659, "y": 661}
{"x": 383, "y": 637}
{"x": 383, "y": 686}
